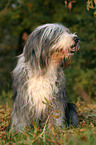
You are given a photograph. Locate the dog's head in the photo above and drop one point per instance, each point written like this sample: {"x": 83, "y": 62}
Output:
{"x": 49, "y": 43}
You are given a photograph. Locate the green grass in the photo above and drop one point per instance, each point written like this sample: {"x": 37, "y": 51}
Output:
{"x": 85, "y": 133}
{"x": 67, "y": 136}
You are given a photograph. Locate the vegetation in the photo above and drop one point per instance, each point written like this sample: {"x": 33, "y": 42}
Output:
{"x": 21, "y": 16}
{"x": 85, "y": 133}
{"x": 26, "y": 15}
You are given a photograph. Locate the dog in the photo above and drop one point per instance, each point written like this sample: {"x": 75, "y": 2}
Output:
{"x": 38, "y": 79}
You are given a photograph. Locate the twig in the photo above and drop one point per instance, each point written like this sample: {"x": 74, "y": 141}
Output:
{"x": 43, "y": 129}
{"x": 7, "y": 5}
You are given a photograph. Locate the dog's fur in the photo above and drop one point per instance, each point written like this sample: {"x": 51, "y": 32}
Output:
{"x": 39, "y": 81}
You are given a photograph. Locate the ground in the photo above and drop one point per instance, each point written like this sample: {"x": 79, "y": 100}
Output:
{"x": 85, "y": 133}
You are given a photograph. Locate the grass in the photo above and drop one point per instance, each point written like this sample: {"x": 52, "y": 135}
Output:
{"x": 85, "y": 133}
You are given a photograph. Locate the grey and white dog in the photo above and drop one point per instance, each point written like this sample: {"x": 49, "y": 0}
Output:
{"x": 39, "y": 77}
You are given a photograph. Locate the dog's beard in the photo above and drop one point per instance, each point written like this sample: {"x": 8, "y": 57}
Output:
{"x": 66, "y": 54}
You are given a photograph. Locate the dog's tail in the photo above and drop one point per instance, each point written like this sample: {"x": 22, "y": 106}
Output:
{"x": 72, "y": 116}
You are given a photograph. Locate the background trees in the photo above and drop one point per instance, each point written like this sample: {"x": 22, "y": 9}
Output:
{"x": 18, "y": 17}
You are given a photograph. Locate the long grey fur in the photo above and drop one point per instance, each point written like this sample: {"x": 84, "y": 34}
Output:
{"x": 38, "y": 76}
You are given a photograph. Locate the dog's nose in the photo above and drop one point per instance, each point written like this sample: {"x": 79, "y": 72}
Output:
{"x": 76, "y": 39}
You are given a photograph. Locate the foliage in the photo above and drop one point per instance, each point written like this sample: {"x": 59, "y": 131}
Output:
{"x": 91, "y": 4}
{"x": 15, "y": 16}
{"x": 85, "y": 133}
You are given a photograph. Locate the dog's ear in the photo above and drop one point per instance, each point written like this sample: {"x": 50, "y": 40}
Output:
{"x": 31, "y": 50}
{"x": 33, "y": 58}
{"x": 44, "y": 54}
{"x": 43, "y": 58}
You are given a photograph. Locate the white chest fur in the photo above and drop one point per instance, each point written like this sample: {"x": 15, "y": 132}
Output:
{"x": 40, "y": 88}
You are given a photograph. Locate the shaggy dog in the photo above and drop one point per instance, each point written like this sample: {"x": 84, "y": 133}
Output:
{"x": 39, "y": 81}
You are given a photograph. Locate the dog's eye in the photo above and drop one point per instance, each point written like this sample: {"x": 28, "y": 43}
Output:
{"x": 67, "y": 30}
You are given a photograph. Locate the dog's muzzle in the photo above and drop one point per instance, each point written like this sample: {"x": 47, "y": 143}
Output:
{"x": 76, "y": 40}
{"x": 75, "y": 47}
